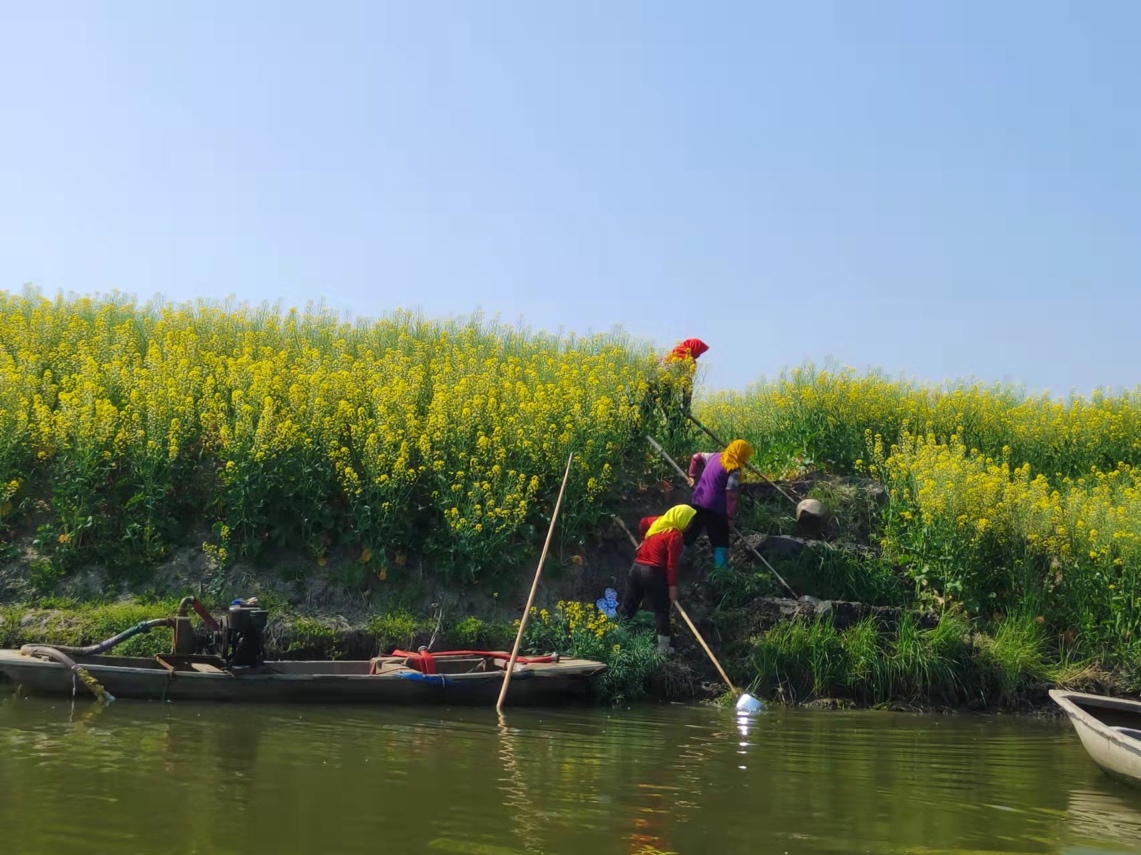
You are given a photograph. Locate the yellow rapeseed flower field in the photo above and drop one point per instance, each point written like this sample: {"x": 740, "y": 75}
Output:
{"x": 822, "y": 415}
{"x": 125, "y": 428}
{"x": 397, "y": 435}
{"x": 998, "y": 502}
{"x": 998, "y": 536}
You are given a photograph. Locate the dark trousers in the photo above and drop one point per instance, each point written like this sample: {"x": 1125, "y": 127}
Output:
{"x": 714, "y": 524}
{"x": 643, "y": 580}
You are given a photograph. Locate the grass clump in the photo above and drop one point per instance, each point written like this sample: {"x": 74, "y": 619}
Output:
{"x": 473, "y": 633}
{"x": 831, "y": 573}
{"x": 1014, "y": 657}
{"x": 798, "y": 659}
{"x": 929, "y": 665}
{"x": 580, "y": 630}
{"x": 945, "y": 665}
{"x": 308, "y": 638}
{"x": 397, "y": 628}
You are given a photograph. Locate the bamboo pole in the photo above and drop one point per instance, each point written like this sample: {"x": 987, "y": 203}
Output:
{"x": 684, "y": 475}
{"x": 705, "y": 646}
{"x": 531, "y": 596}
{"x": 772, "y": 569}
{"x": 625, "y": 528}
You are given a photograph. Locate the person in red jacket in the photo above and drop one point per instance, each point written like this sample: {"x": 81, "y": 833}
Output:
{"x": 654, "y": 571}
{"x": 669, "y": 390}
{"x": 686, "y": 355}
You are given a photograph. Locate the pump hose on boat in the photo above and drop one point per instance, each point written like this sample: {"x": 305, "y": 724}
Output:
{"x": 116, "y": 640}
{"x": 60, "y": 654}
{"x": 90, "y": 682}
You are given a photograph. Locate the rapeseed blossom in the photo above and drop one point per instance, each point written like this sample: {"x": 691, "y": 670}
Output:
{"x": 398, "y": 434}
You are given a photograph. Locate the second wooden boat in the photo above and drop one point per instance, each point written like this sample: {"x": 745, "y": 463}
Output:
{"x": 1110, "y": 731}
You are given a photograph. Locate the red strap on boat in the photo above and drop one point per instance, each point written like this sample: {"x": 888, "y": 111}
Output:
{"x": 496, "y": 654}
{"x": 422, "y": 661}
{"x": 425, "y": 662}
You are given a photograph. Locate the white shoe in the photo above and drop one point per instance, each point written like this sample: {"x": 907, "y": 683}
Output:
{"x": 664, "y": 648}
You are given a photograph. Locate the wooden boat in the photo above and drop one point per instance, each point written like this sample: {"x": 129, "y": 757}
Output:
{"x": 1110, "y": 731}
{"x": 453, "y": 677}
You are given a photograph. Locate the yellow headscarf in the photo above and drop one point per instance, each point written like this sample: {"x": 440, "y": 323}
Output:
{"x": 677, "y": 517}
{"x": 736, "y": 455}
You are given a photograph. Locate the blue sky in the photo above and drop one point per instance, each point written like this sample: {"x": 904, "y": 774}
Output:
{"x": 937, "y": 189}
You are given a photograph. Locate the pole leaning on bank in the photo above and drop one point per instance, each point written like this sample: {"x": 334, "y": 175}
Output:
{"x": 534, "y": 588}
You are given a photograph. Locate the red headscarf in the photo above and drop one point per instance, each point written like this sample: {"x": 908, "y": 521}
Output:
{"x": 690, "y": 348}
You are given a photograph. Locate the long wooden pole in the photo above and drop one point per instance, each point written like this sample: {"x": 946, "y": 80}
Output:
{"x": 705, "y": 646}
{"x": 750, "y": 466}
{"x": 625, "y": 528}
{"x": 534, "y": 588}
{"x": 740, "y": 537}
{"x": 772, "y": 569}
{"x": 684, "y": 475}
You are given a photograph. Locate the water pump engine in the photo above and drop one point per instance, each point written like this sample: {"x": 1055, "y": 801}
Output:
{"x": 240, "y": 637}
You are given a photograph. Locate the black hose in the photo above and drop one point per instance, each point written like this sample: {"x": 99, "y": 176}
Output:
{"x": 115, "y": 640}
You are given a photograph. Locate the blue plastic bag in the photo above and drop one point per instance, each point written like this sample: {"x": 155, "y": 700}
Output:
{"x": 608, "y": 605}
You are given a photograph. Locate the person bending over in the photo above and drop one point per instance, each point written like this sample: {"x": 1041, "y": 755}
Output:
{"x": 654, "y": 571}
{"x": 715, "y": 479}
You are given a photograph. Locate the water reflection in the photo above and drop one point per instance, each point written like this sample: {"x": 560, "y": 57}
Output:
{"x": 516, "y": 799}
{"x": 183, "y": 779}
{"x": 1110, "y": 812}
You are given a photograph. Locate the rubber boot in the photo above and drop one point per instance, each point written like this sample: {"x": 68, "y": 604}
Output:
{"x": 664, "y": 648}
{"x": 720, "y": 557}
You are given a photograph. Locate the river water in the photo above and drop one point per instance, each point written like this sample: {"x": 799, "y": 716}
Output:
{"x": 152, "y": 778}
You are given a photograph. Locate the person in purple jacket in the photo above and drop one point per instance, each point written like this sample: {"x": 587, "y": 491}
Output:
{"x": 715, "y": 478}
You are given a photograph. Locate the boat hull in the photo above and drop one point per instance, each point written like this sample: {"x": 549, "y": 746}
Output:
{"x": 1096, "y": 720}
{"x": 292, "y": 682}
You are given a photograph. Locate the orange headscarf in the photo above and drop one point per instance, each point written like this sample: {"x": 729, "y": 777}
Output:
{"x": 736, "y": 455}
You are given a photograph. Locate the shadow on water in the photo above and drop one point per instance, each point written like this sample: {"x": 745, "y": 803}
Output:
{"x": 180, "y": 779}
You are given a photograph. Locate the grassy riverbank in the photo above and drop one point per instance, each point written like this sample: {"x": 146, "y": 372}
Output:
{"x": 899, "y": 660}
{"x": 360, "y": 476}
